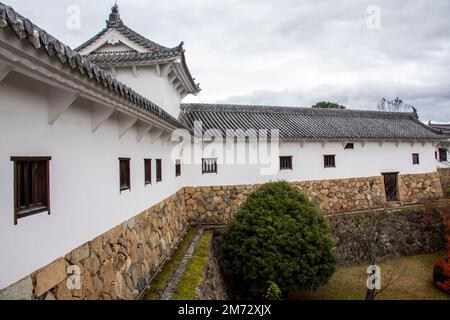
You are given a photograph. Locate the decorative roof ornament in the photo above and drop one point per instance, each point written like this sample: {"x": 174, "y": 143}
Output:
{"x": 151, "y": 51}
{"x": 416, "y": 115}
{"x": 114, "y": 17}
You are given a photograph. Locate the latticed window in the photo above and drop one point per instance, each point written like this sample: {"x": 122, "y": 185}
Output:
{"x": 31, "y": 186}
{"x": 442, "y": 154}
{"x": 329, "y": 161}
{"x": 209, "y": 165}
{"x": 124, "y": 174}
{"x": 286, "y": 163}
{"x": 148, "y": 171}
{"x": 415, "y": 158}
{"x": 158, "y": 170}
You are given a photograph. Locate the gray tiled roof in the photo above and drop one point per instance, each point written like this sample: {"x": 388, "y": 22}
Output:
{"x": 11, "y": 21}
{"x": 310, "y": 124}
{"x": 444, "y": 128}
{"x": 109, "y": 59}
{"x": 134, "y": 37}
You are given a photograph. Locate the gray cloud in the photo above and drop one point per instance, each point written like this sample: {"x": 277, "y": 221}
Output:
{"x": 288, "y": 52}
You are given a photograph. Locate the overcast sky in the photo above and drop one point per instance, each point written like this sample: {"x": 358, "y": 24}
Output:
{"x": 286, "y": 52}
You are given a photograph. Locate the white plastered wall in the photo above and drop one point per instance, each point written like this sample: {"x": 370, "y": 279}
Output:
{"x": 85, "y": 196}
{"x": 158, "y": 89}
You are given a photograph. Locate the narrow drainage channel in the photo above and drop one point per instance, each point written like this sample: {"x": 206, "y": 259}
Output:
{"x": 176, "y": 277}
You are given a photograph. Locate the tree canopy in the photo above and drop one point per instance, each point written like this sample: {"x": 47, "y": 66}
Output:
{"x": 394, "y": 105}
{"x": 328, "y": 105}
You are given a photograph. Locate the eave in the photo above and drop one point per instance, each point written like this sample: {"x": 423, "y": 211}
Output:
{"x": 30, "y": 59}
{"x": 175, "y": 65}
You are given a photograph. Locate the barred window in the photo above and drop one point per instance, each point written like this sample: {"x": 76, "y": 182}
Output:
{"x": 442, "y": 154}
{"x": 415, "y": 158}
{"x": 329, "y": 161}
{"x": 286, "y": 163}
{"x": 209, "y": 165}
{"x": 148, "y": 171}
{"x": 124, "y": 164}
{"x": 158, "y": 170}
{"x": 31, "y": 186}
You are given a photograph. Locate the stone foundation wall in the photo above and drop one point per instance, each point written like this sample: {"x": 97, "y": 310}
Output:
{"x": 345, "y": 194}
{"x": 401, "y": 232}
{"x": 414, "y": 188}
{"x": 120, "y": 263}
{"x": 218, "y": 204}
{"x": 117, "y": 264}
{"x": 444, "y": 174}
{"x": 215, "y": 205}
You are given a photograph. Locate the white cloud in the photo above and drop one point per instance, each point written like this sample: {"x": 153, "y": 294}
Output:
{"x": 288, "y": 52}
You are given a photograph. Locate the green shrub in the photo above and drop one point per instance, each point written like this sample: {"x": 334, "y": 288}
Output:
{"x": 274, "y": 292}
{"x": 278, "y": 235}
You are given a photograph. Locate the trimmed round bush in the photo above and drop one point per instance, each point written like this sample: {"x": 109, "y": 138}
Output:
{"x": 278, "y": 236}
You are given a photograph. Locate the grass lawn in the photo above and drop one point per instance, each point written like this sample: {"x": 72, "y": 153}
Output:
{"x": 159, "y": 283}
{"x": 447, "y": 191}
{"x": 192, "y": 276}
{"x": 415, "y": 282}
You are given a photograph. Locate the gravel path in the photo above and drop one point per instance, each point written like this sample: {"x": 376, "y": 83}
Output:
{"x": 176, "y": 277}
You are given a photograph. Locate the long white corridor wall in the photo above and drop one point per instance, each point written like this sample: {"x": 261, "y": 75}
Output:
{"x": 365, "y": 160}
{"x": 84, "y": 174}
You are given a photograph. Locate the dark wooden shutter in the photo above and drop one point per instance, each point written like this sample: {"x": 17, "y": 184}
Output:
{"x": 124, "y": 174}
{"x": 148, "y": 171}
{"x": 158, "y": 170}
{"x": 442, "y": 154}
{"x": 329, "y": 161}
{"x": 31, "y": 186}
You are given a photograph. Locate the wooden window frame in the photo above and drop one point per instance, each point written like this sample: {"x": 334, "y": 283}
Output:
{"x": 442, "y": 151}
{"x": 177, "y": 168}
{"x": 213, "y": 168}
{"x": 329, "y": 164}
{"x": 32, "y": 209}
{"x": 415, "y": 159}
{"x": 147, "y": 171}
{"x": 158, "y": 170}
{"x": 286, "y": 164}
{"x": 124, "y": 187}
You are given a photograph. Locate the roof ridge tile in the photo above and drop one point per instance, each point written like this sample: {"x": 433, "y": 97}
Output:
{"x": 297, "y": 123}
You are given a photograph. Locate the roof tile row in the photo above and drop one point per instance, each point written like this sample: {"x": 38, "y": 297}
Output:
{"x": 296, "y": 123}
{"x": 39, "y": 38}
